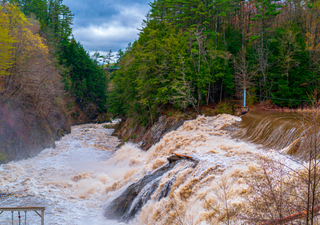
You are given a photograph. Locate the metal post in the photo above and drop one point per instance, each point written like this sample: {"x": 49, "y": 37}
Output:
{"x": 244, "y": 98}
{"x": 42, "y": 217}
{"x": 25, "y": 210}
{"x": 25, "y": 217}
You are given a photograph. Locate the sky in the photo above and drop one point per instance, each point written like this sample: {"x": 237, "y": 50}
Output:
{"x": 101, "y": 25}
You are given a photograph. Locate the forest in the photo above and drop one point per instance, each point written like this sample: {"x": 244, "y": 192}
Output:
{"x": 189, "y": 54}
{"x": 192, "y": 53}
{"x": 48, "y": 81}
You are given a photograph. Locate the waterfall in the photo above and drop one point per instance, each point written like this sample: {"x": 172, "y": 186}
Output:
{"x": 269, "y": 129}
{"x": 186, "y": 178}
{"x": 190, "y": 190}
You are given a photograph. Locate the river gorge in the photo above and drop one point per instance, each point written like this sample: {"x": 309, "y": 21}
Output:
{"x": 185, "y": 178}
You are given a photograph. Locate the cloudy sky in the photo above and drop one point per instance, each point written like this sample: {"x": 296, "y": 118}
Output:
{"x": 101, "y": 25}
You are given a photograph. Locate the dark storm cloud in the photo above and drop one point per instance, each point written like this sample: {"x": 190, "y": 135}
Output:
{"x": 101, "y": 25}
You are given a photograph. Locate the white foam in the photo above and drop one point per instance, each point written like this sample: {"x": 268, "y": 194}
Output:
{"x": 82, "y": 173}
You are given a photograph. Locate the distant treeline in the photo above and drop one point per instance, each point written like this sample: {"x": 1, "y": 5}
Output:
{"x": 193, "y": 52}
{"x": 47, "y": 79}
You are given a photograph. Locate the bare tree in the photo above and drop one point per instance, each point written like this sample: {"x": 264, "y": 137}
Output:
{"x": 183, "y": 90}
{"x": 262, "y": 55}
{"x": 312, "y": 25}
{"x": 282, "y": 194}
{"x": 243, "y": 73}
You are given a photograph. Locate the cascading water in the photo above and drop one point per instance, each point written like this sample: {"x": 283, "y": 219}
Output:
{"x": 188, "y": 193}
{"x": 84, "y": 173}
{"x": 270, "y": 129}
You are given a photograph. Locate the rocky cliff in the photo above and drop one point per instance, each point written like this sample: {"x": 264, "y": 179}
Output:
{"x": 145, "y": 137}
{"x": 24, "y": 134}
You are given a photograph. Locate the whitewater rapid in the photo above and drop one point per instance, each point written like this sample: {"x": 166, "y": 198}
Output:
{"x": 83, "y": 175}
{"x": 68, "y": 180}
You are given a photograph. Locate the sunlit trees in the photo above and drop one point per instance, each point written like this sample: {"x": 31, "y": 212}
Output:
{"x": 6, "y": 44}
{"x": 33, "y": 72}
{"x": 82, "y": 77}
{"x": 27, "y": 45}
{"x": 32, "y": 105}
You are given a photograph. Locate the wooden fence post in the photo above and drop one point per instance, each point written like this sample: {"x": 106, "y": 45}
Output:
{"x": 42, "y": 217}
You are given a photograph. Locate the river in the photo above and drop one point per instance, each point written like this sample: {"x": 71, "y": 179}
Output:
{"x": 84, "y": 179}
{"x": 67, "y": 180}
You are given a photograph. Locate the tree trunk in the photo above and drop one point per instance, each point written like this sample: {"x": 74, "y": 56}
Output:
{"x": 212, "y": 95}
{"x": 208, "y": 95}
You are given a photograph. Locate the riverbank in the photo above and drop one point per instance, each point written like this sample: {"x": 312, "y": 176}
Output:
{"x": 86, "y": 175}
{"x": 128, "y": 130}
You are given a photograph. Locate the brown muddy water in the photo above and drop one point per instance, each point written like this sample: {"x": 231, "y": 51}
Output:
{"x": 268, "y": 129}
{"x": 87, "y": 180}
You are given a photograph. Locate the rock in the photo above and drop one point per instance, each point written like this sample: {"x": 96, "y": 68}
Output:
{"x": 125, "y": 207}
{"x": 135, "y": 196}
{"x": 127, "y": 130}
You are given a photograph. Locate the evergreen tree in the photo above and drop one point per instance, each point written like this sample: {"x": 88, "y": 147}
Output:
{"x": 269, "y": 48}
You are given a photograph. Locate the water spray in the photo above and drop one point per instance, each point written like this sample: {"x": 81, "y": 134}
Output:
{"x": 8, "y": 194}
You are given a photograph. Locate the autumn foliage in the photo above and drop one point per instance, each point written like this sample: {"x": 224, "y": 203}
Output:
{"x": 32, "y": 111}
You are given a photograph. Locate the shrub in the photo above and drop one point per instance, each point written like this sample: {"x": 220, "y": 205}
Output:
{"x": 224, "y": 107}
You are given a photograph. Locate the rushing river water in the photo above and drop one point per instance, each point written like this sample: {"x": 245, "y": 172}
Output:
{"x": 269, "y": 129}
{"x": 68, "y": 180}
{"x": 85, "y": 181}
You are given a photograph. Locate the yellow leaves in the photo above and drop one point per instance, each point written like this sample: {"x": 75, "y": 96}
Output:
{"x": 34, "y": 42}
{"x": 310, "y": 38}
{"x": 312, "y": 29}
{"x": 6, "y": 44}
{"x": 24, "y": 32}
{"x": 19, "y": 40}
{"x": 311, "y": 42}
